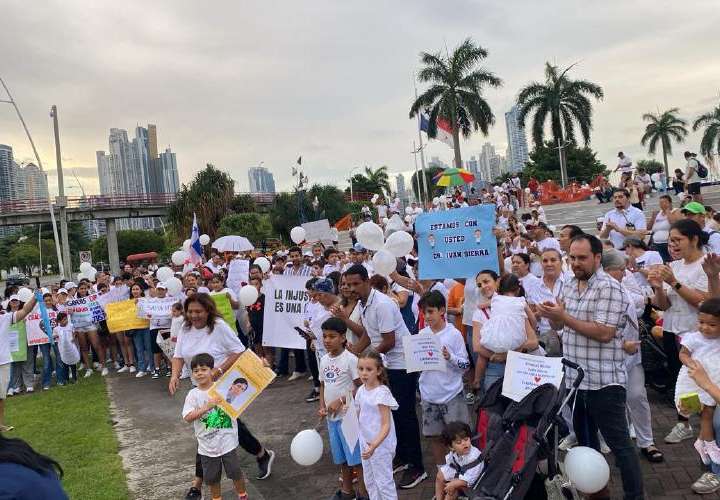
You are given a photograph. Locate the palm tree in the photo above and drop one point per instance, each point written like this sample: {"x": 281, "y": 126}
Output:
{"x": 663, "y": 127}
{"x": 710, "y": 142}
{"x": 565, "y": 101}
{"x": 455, "y": 93}
{"x": 379, "y": 177}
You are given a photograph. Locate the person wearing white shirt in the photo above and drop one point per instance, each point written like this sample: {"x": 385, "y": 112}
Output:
{"x": 696, "y": 211}
{"x": 385, "y": 330}
{"x": 521, "y": 269}
{"x": 692, "y": 179}
{"x": 550, "y": 286}
{"x": 624, "y": 221}
{"x": 624, "y": 166}
{"x": 542, "y": 241}
{"x": 642, "y": 259}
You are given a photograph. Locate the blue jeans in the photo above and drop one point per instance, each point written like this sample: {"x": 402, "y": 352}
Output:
{"x": 143, "y": 350}
{"x": 59, "y": 366}
{"x": 493, "y": 372}
{"x": 715, "y": 468}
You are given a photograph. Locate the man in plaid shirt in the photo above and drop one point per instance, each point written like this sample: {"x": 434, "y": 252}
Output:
{"x": 590, "y": 311}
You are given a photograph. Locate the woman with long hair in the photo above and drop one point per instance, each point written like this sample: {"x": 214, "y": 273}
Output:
{"x": 660, "y": 227}
{"x": 26, "y": 473}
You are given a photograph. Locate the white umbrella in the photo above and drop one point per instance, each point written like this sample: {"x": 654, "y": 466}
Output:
{"x": 232, "y": 244}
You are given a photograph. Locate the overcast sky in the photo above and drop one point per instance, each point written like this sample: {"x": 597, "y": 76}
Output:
{"x": 239, "y": 83}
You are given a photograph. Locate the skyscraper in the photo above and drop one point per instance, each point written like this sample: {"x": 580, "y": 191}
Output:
{"x": 31, "y": 183}
{"x": 486, "y": 155}
{"x": 517, "y": 142}
{"x": 261, "y": 180}
{"x": 400, "y": 184}
{"x": 8, "y": 173}
{"x": 170, "y": 181}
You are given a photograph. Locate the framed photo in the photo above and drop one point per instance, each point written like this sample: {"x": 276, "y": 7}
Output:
{"x": 242, "y": 383}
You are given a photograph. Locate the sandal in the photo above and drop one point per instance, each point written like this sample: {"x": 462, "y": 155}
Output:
{"x": 652, "y": 454}
{"x": 6, "y": 428}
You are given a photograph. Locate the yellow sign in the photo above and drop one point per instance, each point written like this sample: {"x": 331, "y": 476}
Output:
{"x": 122, "y": 316}
{"x": 242, "y": 383}
{"x": 224, "y": 308}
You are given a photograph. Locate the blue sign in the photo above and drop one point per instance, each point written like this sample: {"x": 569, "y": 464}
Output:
{"x": 456, "y": 243}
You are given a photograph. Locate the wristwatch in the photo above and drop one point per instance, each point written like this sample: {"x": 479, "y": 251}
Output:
{"x": 677, "y": 286}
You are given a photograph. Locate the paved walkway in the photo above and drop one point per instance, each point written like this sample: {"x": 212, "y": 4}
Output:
{"x": 158, "y": 448}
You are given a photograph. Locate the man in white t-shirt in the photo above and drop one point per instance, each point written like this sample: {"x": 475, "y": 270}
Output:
{"x": 6, "y": 343}
{"x": 696, "y": 211}
{"x": 692, "y": 179}
{"x": 624, "y": 166}
{"x": 624, "y": 221}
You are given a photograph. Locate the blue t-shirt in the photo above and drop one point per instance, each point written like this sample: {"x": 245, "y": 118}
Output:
{"x": 18, "y": 482}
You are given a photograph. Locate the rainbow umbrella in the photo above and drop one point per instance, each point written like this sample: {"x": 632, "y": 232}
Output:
{"x": 453, "y": 177}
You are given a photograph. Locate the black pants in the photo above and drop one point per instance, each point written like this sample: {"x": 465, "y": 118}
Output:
{"x": 313, "y": 365}
{"x": 284, "y": 365}
{"x": 672, "y": 351}
{"x": 403, "y": 386}
{"x": 604, "y": 410}
{"x": 248, "y": 442}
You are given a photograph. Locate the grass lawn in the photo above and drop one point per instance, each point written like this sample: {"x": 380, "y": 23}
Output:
{"x": 72, "y": 425}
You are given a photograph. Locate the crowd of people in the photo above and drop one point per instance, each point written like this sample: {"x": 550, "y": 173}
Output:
{"x": 558, "y": 292}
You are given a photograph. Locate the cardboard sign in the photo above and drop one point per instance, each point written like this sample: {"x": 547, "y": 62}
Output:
{"x": 285, "y": 303}
{"x": 525, "y": 372}
{"x": 238, "y": 273}
{"x": 155, "y": 308}
{"x": 18, "y": 341}
{"x": 318, "y": 230}
{"x": 423, "y": 352}
{"x": 224, "y": 308}
{"x": 122, "y": 316}
{"x": 350, "y": 425}
{"x": 242, "y": 383}
{"x": 86, "y": 309}
{"x": 456, "y": 243}
{"x": 35, "y": 328}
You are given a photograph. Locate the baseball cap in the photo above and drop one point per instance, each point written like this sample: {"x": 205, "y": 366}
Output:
{"x": 70, "y": 285}
{"x": 62, "y": 290}
{"x": 14, "y": 297}
{"x": 324, "y": 285}
{"x": 694, "y": 208}
{"x": 359, "y": 248}
{"x": 161, "y": 285}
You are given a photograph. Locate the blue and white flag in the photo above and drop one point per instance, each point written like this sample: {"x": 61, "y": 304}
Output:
{"x": 196, "y": 249}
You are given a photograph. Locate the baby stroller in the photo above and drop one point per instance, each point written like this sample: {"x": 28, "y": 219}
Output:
{"x": 517, "y": 437}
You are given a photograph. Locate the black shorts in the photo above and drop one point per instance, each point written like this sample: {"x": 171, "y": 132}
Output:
{"x": 212, "y": 467}
{"x": 154, "y": 347}
{"x": 693, "y": 188}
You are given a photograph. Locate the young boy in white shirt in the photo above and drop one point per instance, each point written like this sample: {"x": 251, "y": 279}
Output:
{"x": 338, "y": 378}
{"x": 463, "y": 464}
{"x": 441, "y": 393}
{"x": 215, "y": 431}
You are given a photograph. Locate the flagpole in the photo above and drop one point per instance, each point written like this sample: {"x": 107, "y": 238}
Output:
{"x": 417, "y": 174}
{"x": 422, "y": 153}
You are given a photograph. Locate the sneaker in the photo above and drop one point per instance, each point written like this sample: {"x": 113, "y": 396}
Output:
{"x": 96, "y": 365}
{"x": 295, "y": 376}
{"x": 30, "y": 389}
{"x": 470, "y": 398}
{"x": 568, "y": 442}
{"x": 46, "y": 388}
{"x": 140, "y": 374}
{"x": 10, "y": 392}
{"x": 132, "y": 369}
{"x": 708, "y": 483}
{"x": 193, "y": 493}
{"x": 399, "y": 466}
{"x": 604, "y": 448}
{"x": 341, "y": 495}
{"x": 6, "y": 428}
{"x": 411, "y": 478}
{"x": 313, "y": 396}
{"x": 116, "y": 365}
{"x": 679, "y": 433}
{"x": 88, "y": 372}
{"x": 60, "y": 384}
{"x": 265, "y": 464}
{"x": 123, "y": 369}
{"x": 156, "y": 373}
{"x": 168, "y": 373}
{"x": 104, "y": 371}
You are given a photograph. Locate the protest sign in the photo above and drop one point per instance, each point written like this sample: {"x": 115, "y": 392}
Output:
{"x": 123, "y": 316}
{"x": 18, "y": 341}
{"x": 525, "y": 372}
{"x": 318, "y": 230}
{"x": 86, "y": 309}
{"x": 242, "y": 383}
{"x": 155, "y": 307}
{"x": 456, "y": 243}
{"x": 35, "y": 328}
{"x": 224, "y": 308}
{"x": 238, "y": 273}
{"x": 423, "y": 352}
{"x": 285, "y": 302}
{"x": 350, "y": 425}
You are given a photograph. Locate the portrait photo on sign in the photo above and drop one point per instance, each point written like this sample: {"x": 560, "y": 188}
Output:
{"x": 236, "y": 390}
{"x": 241, "y": 383}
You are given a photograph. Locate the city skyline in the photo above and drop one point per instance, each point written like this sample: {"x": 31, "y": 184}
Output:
{"x": 226, "y": 99}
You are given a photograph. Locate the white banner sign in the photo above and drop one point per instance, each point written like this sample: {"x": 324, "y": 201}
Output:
{"x": 35, "y": 330}
{"x": 86, "y": 309}
{"x": 525, "y": 372}
{"x": 156, "y": 308}
{"x": 318, "y": 230}
{"x": 285, "y": 302}
{"x": 238, "y": 273}
{"x": 423, "y": 352}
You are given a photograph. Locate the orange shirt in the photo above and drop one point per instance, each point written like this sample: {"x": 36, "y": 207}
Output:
{"x": 455, "y": 300}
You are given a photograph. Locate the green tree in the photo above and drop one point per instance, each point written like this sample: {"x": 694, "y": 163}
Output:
{"x": 253, "y": 226}
{"x": 209, "y": 195}
{"x": 710, "y": 142}
{"x": 24, "y": 256}
{"x": 129, "y": 242}
{"x": 565, "y": 102}
{"x": 372, "y": 181}
{"x": 284, "y": 213}
{"x": 663, "y": 128}
{"x": 243, "y": 203}
{"x": 650, "y": 166}
{"x": 582, "y": 164}
{"x": 431, "y": 189}
{"x": 455, "y": 93}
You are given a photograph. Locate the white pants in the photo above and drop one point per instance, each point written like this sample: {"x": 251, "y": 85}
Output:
{"x": 639, "y": 407}
{"x": 378, "y": 475}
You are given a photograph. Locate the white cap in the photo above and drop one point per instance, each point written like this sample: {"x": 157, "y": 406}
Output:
{"x": 62, "y": 290}
{"x": 70, "y": 285}
{"x": 14, "y": 297}
{"x": 44, "y": 290}
{"x": 203, "y": 289}
{"x": 161, "y": 285}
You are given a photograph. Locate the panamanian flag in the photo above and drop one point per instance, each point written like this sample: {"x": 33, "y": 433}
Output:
{"x": 444, "y": 130}
{"x": 196, "y": 250}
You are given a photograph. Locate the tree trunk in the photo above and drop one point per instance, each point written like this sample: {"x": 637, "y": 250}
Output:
{"x": 456, "y": 144}
{"x": 667, "y": 170}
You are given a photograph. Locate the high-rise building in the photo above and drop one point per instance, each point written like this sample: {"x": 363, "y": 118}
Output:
{"x": 517, "y": 142}
{"x": 31, "y": 183}
{"x": 261, "y": 180}
{"x": 170, "y": 180}
{"x": 400, "y": 185}
{"x": 486, "y": 155}
{"x": 472, "y": 165}
{"x": 8, "y": 174}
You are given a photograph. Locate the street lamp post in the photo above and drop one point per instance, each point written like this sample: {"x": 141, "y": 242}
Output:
{"x": 351, "y": 187}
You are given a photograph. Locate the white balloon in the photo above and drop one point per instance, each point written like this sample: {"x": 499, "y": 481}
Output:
{"x": 248, "y": 295}
{"x": 164, "y": 273}
{"x": 174, "y": 285}
{"x": 263, "y": 263}
{"x": 399, "y": 243}
{"x": 436, "y": 200}
{"x": 384, "y": 262}
{"x": 306, "y": 447}
{"x": 297, "y": 234}
{"x": 204, "y": 239}
{"x": 586, "y": 469}
{"x": 25, "y": 294}
{"x": 408, "y": 210}
{"x": 84, "y": 266}
{"x": 374, "y": 198}
{"x": 186, "y": 245}
{"x": 179, "y": 257}
{"x": 527, "y": 190}
{"x": 90, "y": 274}
{"x": 385, "y": 220}
{"x": 370, "y": 236}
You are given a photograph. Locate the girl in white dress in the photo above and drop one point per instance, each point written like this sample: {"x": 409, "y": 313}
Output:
{"x": 374, "y": 402}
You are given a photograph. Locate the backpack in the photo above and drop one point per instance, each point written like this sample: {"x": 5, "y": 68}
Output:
{"x": 702, "y": 170}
